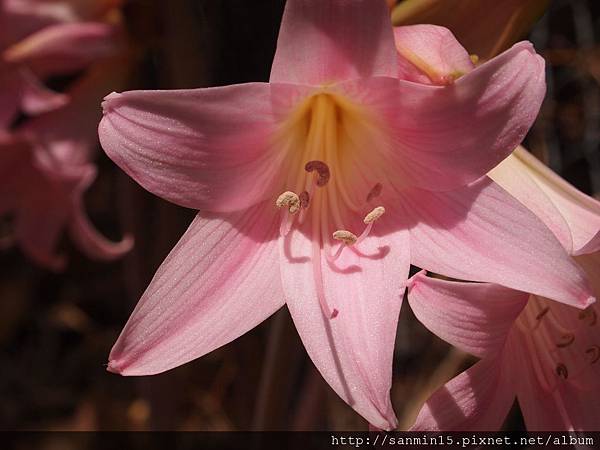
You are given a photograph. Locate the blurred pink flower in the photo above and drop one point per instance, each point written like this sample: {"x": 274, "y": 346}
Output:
{"x": 333, "y": 139}
{"x": 46, "y": 167}
{"x": 39, "y": 39}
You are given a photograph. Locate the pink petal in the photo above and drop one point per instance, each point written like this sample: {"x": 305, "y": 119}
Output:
{"x": 481, "y": 233}
{"x": 71, "y": 133}
{"x": 580, "y": 212}
{"x": 220, "y": 280}
{"x": 354, "y": 350}
{"x": 449, "y": 136}
{"x": 476, "y": 400}
{"x": 514, "y": 177}
{"x": 321, "y": 42}
{"x": 37, "y": 98}
{"x": 21, "y": 91}
{"x": 484, "y": 27}
{"x": 38, "y": 228}
{"x": 591, "y": 265}
{"x": 430, "y": 54}
{"x": 203, "y": 148}
{"x": 475, "y": 317}
{"x": 63, "y": 48}
{"x": 90, "y": 241}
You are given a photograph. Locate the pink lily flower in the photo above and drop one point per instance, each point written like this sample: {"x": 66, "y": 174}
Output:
{"x": 52, "y": 48}
{"x": 318, "y": 189}
{"x": 46, "y": 167}
{"x": 543, "y": 353}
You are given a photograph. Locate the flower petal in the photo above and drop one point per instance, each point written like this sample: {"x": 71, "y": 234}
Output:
{"x": 514, "y": 177}
{"x": 90, "y": 241}
{"x": 484, "y": 27}
{"x": 37, "y": 98}
{"x": 354, "y": 350}
{"x": 481, "y": 233}
{"x": 323, "y": 42}
{"x": 476, "y": 400}
{"x": 475, "y": 317}
{"x": 430, "y": 54}
{"x": 63, "y": 48}
{"x": 567, "y": 407}
{"x": 202, "y": 148}
{"x": 219, "y": 281}
{"x": 449, "y": 136}
{"x": 580, "y": 212}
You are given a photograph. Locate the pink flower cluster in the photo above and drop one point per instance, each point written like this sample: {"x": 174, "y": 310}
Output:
{"x": 371, "y": 149}
{"x": 47, "y": 138}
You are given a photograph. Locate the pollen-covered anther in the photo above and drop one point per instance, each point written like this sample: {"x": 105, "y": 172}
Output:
{"x": 593, "y": 354}
{"x": 345, "y": 236}
{"x": 375, "y": 214}
{"x": 322, "y": 170}
{"x": 290, "y": 200}
{"x": 561, "y": 371}
{"x": 540, "y": 316}
{"x": 374, "y": 192}
{"x": 566, "y": 340}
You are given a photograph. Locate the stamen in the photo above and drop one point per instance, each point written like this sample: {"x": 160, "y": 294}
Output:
{"x": 374, "y": 215}
{"x": 345, "y": 236}
{"x": 566, "y": 340}
{"x": 561, "y": 371}
{"x": 322, "y": 170}
{"x": 474, "y": 58}
{"x": 542, "y": 313}
{"x": 375, "y": 192}
{"x": 369, "y": 220}
{"x": 304, "y": 199}
{"x": 593, "y": 354}
{"x": 290, "y": 200}
{"x": 320, "y": 290}
{"x": 540, "y": 316}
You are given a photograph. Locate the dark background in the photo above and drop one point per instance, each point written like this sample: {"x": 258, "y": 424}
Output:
{"x": 56, "y": 330}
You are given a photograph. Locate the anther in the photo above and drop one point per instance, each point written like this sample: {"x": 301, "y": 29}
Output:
{"x": 561, "y": 371}
{"x": 345, "y": 236}
{"x": 589, "y": 314}
{"x": 474, "y": 58}
{"x": 566, "y": 340}
{"x": 304, "y": 199}
{"x": 375, "y": 192}
{"x": 593, "y": 353}
{"x": 290, "y": 200}
{"x": 375, "y": 214}
{"x": 322, "y": 170}
{"x": 542, "y": 313}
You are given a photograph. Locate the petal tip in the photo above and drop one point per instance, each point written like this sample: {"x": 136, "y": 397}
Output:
{"x": 113, "y": 367}
{"x": 109, "y": 101}
{"x": 590, "y": 300}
